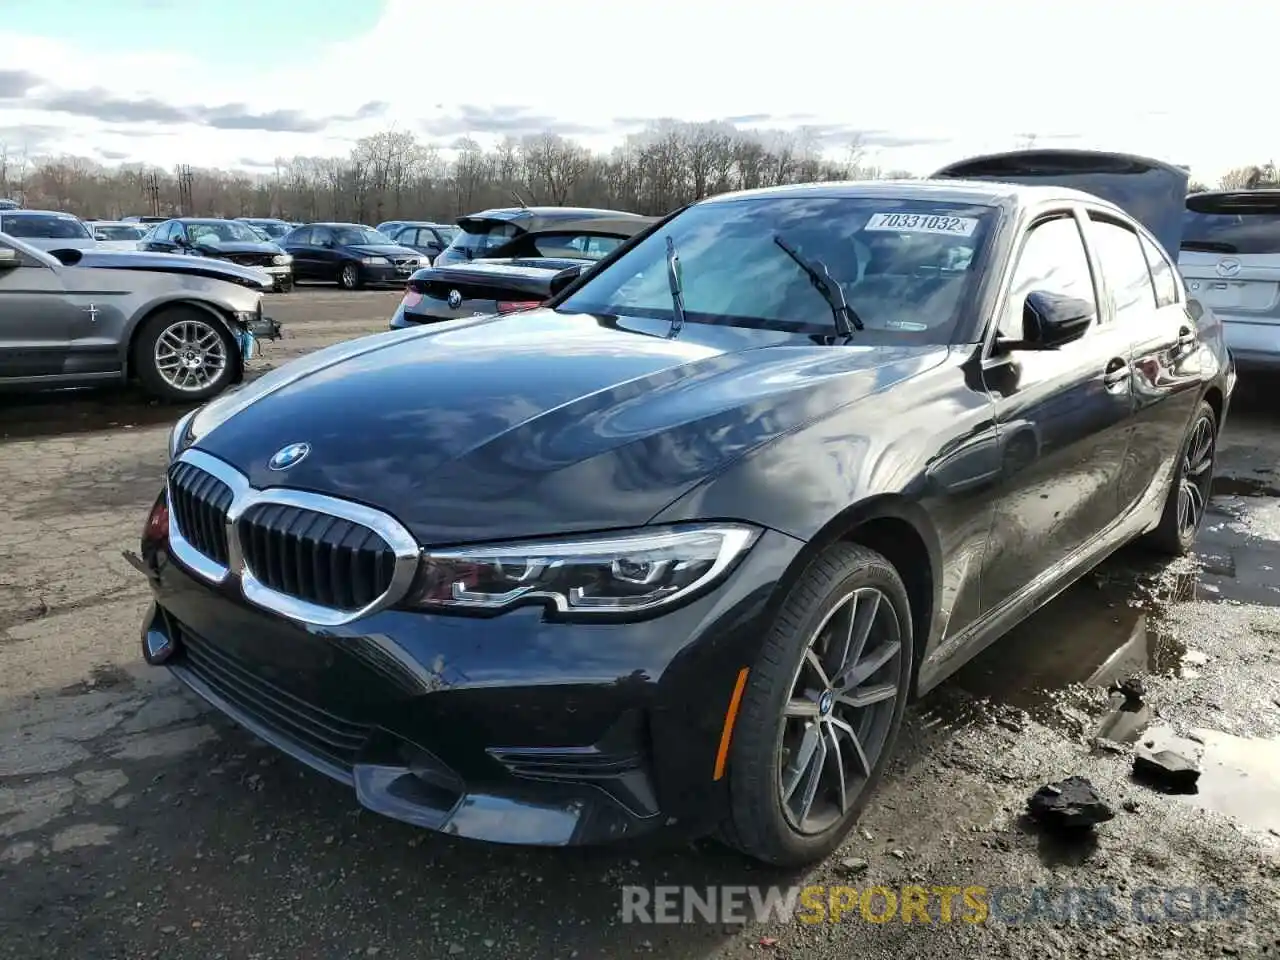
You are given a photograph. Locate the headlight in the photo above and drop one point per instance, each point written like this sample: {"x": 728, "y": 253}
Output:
{"x": 374, "y": 260}
{"x": 628, "y": 573}
{"x": 181, "y": 436}
{"x": 281, "y": 259}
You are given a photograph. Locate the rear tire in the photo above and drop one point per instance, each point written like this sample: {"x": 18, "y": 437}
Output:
{"x": 1188, "y": 498}
{"x": 182, "y": 354}
{"x": 809, "y": 747}
{"x": 349, "y": 276}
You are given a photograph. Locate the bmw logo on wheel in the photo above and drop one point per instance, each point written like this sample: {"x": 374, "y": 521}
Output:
{"x": 289, "y": 456}
{"x": 455, "y": 299}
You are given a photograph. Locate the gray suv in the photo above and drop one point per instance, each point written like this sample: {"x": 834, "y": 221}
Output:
{"x": 1230, "y": 259}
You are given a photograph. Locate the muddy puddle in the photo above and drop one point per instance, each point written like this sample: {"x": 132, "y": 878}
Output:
{"x": 1063, "y": 667}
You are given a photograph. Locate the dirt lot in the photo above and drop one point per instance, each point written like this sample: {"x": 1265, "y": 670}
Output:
{"x": 135, "y": 824}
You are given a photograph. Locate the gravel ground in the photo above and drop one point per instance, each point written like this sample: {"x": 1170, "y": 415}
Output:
{"x": 133, "y": 823}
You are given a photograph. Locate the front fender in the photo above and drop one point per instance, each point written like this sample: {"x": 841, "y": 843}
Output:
{"x": 223, "y": 302}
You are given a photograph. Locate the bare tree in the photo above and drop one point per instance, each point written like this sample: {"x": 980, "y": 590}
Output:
{"x": 394, "y": 175}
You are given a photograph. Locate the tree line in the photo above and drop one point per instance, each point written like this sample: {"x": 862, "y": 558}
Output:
{"x": 394, "y": 175}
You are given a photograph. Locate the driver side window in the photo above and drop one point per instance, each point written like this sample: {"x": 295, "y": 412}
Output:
{"x": 1053, "y": 260}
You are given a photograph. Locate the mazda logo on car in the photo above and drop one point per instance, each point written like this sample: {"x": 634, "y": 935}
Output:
{"x": 289, "y": 456}
{"x": 1228, "y": 267}
{"x": 455, "y": 299}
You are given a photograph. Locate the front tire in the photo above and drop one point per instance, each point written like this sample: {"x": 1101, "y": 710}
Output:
{"x": 349, "y": 276}
{"x": 1192, "y": 486}
{"x": 182, "y": 354}
{"x": 822, "y": 709}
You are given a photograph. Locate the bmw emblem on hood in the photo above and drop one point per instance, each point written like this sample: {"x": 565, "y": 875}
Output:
{"x": 455, "y": 299}
{"x": 289, "y": 456}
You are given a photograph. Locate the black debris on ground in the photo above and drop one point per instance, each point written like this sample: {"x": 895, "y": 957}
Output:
{"x": 1070, "y": 804}
{"x": 1166, "y": 771}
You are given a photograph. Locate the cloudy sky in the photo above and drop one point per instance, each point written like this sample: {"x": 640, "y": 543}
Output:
{"x": 235, "y": 83}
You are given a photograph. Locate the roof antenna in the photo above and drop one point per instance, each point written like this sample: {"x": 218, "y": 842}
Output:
{"x": 520, "y": 200}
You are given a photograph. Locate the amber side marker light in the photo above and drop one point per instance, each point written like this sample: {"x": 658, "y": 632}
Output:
{"x": 730, "y": 718}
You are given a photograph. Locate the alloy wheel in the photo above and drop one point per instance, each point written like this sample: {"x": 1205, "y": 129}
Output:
{"x": 349, "y": 276}
{"x": 840, "y": 710}
{"x": 190, "y": 355}
{"x": 1196, "y": 478}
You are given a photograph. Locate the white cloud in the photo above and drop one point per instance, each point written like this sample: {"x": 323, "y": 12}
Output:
{"x": 1137, "y": 76}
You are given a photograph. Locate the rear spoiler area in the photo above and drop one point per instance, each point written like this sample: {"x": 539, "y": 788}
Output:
{"x": 1152, "y": 192}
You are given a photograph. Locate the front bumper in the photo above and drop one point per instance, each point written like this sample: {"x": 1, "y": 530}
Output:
{"x": 510, "y": 729}
{"x": 387, "y": 272}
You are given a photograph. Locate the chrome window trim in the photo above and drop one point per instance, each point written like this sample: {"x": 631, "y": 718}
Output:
{"x": 244, "y": 497}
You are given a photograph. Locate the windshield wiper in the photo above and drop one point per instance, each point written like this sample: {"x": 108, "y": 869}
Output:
{"x": 677, "y": 289}
{"x": 846, "y": 318}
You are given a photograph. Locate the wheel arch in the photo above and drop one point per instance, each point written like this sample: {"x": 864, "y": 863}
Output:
{"x": 903, "y": 533}
{"x": 219, "y": 314}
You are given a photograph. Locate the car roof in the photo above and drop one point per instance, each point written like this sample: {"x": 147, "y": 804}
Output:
{"x": 115, "y": 223}
{"x": 553, "y": 213}
{"x": 983, "y": 192}
{"x": 26, "y": 211}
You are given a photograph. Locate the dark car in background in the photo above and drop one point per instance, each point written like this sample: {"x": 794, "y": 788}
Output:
{"x": 674, "y": 550}
{"x": 225, "y": 240}
{"x": 435, "y": 294}
{"x": 350, "y": 255}
{"x": 424, "y": 236}
{"x": 274, "y": 228}
{"x": 136, "y": 218}
{"x": 540, "y": 232}
{"x": 6, "y": 204}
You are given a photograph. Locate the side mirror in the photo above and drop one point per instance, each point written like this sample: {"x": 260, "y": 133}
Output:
{"x": 1050, "y": 320}
{"x": 568, "y": 276}
{"x": 9, "y": 258}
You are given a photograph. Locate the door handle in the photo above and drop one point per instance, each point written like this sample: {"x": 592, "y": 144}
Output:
{"x": 1117, "y": 373}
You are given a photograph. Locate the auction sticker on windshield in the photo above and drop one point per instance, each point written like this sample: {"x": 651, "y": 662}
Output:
{"x": 922, "y": 223}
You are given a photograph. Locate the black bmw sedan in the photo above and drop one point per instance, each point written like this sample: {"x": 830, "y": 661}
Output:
{"x": 675, "y": 549}
{"x": 224, "y": 240}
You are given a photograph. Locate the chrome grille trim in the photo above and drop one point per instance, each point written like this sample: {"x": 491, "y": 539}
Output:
{"x": 244, "y": 496}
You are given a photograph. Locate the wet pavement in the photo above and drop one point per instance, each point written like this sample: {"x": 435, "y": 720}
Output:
{"x": 134, "y": 823}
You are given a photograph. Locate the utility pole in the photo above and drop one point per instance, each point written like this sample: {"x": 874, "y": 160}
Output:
{"x": 186, "y": 206}
{"x": 151, "y": 190}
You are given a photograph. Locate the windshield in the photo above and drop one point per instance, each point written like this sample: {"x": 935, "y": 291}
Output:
{"x": 1236, "y": 226}
{"x": 482, "y": 239}
{"x": 221, "y": 231}
{"x": 44, "y": 226}
{"x": 118, "y": 232}
{"x": 273, "y": 230}
{"x": 351, "y": 236}
{"x": 906, "y": 266}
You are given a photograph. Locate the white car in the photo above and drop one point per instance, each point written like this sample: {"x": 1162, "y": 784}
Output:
{"x": 117, "y": 234}
{"x": 47, "y": 229}
{"x": 1230, "y": 259}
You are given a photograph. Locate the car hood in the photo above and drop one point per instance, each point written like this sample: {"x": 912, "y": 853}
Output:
{"x": 544, "y": 423}
{"x": 65, "y": 243}
{"x": 104, "y": 258}
{"x": 227, "y": 247}
{"x": 382, "y": 250}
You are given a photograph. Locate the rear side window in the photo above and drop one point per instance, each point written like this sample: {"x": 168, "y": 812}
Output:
{"x": 1232, "y": 223}
{"x": 1124, "y": 267}
{"x": 1163, "y": 277}
{"x": 574, "y": 245}
{"x": 481, "y": 239}
{"x": 1052, "y": 261}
